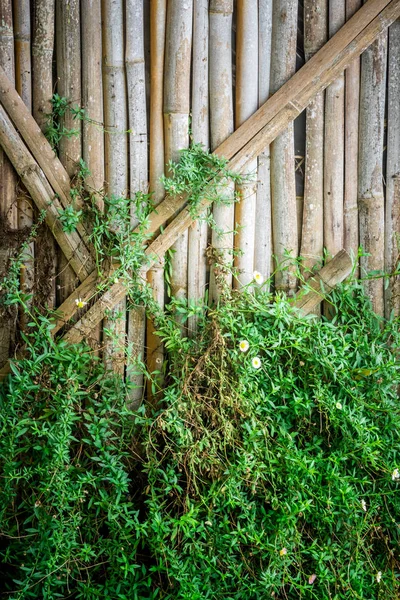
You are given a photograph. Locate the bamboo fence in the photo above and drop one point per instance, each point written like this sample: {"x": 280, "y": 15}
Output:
{"x": 198, "y": 70}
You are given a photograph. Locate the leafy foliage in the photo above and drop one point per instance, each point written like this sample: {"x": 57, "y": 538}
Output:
{"x": 262, "y": 480}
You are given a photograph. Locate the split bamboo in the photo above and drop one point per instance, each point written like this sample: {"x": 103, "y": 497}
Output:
{"x": 155, "y": 278}
{"x": 8, "y": 198}
{"x": 370, "y": 175}
{"x": 315, "y": 34}
{"x": 284, "y": 208}
{"x": 352, "y": 102}
{"x": 246, "y": 105}
{"x": 23, "y": 84}
{"x": 334, "y": 145}
{"x": 392, "y": 208}
{"x": 137, "y": 120}
{"x": 42, "y": 89}
{"x": 178, "y": 47}
{"x": 116, "y": 152}
{"x": 68, "y": 54}
{"x": 198, "y": 232}
{"x": 263, "y": 227}
{"x": 221, "y": 127}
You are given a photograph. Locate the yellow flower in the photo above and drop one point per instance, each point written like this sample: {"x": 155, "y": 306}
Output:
{"x": 258, "y": 278}
{"x": 256, "y": 362}
{"x": 80, "y": 303}
{"x": 283, "y": 552}
{"x": 244, "y": 345}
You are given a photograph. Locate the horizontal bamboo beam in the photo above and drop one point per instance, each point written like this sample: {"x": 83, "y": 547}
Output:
{"x": 291, "y": 109}
{"x": 43, "y": 195}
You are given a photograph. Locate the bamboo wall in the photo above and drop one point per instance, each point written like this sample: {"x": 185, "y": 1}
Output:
{"x": 143, "y": 70}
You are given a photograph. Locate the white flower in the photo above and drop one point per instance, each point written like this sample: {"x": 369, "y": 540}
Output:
{"x": 244, "y": 345}
{"x": 364, "y": 505}
{"x": 339, "y": 406}
{"x": 379, "y": 576}
{"x": 116, "y": 280}
{"x": 256, "y": 362}
{"x": 80, "y": 303}
{"x": 283, "y": 552}
{"x": 258, "y": 278}
{"x": 395, "y": 475}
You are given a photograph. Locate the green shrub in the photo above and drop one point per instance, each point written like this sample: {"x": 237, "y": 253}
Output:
{"x": 68, "y": 527}
{"x": 279, "y": 481}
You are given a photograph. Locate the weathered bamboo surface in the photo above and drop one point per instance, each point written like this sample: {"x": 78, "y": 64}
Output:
{"x": 192, "y": 75}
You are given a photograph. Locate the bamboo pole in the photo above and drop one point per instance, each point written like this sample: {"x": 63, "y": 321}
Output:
{"x": 284, "y": 208}
{"x": 370, "y": 175}
{"x": 75, "y": 251}
{"x": 8, "y": 199}
{"x": 334, "y": 145}
{"x": 68, "y": 55}
{"x": 263, "y": 228}
{"x": 315, "y": 34}
{"x": 392, "y": 208}
{"x": 92, "y": 98}
{"x": 116, "y": 151}
{"x": 178, "y": 46}
{"x": 246, "y": 105}
{"x": 42, "y": 90}
{"x": 23, "y": 84}
{"x": 352, "y": 101}
{"x": 221, "y": 126}
{"x": 197, "y": 261}
{"x": 155, "y": 277}
{"x": 137, "y": 119}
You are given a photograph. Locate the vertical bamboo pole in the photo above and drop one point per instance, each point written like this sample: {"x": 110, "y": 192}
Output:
{"x": 23, "y": 84}
{"x": 221, "y": 124}
{"x": 370, "y": 176}
{"x": 92, "y": 100}
{"x": 155, "y": 277}
{"x": 92, "y": 97}
{"x": 8, "y": 204}
{"x": 284, "y": 208}
{"x": 42, "y": 91}
{"x": 116, "y": 151}
{"x": 246, "y": 105}
{"x": 68, "y": 51}
{"x": 197, "y": 264}
{"x": 178, "y": 48}
{"x": 315, "y": 34}
{"x": 135, "y": 75}
{"x": 263, "y": 226}
{"x": 392, "y": 209}
{"x": 352, "y": 101}
{"x": 334, "y": 146}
